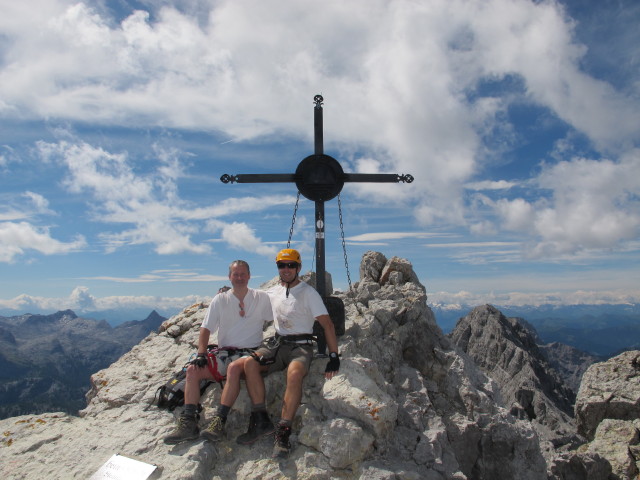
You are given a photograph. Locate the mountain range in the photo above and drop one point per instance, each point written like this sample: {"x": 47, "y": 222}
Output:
{"x": 46, "y": 360}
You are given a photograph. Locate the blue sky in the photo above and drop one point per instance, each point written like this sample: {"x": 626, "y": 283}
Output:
{"x": 518, "y": 119}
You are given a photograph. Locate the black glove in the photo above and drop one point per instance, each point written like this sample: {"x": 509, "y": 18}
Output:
{"x": 333, "y": 365}
{"x": 201, "y": 360}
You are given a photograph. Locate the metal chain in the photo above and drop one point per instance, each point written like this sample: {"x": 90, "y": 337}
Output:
{"x": 293, "y": 220}
{"x": 344, "y": 246}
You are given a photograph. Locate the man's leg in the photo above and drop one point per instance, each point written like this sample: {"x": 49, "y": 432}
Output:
{"x": 259, "y": 422}
{"x": 187, "y": 428}
{"x": 297, "y": 370}
{"x": 230, "y": 392}
{"x": 292, "y": 397}
{"x": 255, "y": 383}
{"x": 293, "y": 394}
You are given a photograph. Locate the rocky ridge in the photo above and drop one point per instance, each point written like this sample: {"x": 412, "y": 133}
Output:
{"x": 407, "y": 404}
{"x": 600, "y": 439}
{"x": 506, "y": 349}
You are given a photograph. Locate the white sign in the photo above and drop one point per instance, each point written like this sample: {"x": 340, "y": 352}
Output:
{"x": 123, "y": 468}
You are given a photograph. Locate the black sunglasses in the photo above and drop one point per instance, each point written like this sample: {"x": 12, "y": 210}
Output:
{"x": 288, "y": 265}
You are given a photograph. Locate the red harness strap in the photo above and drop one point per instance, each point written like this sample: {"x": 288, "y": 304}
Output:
{"x": 212, "y": 364}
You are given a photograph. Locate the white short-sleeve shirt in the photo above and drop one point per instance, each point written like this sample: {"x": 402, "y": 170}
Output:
{"x": 233, "y": 329}
{"x": 295, "y": 314}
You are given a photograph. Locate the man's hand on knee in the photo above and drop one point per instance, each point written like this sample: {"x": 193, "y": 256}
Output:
{"x": 201, "y": 360}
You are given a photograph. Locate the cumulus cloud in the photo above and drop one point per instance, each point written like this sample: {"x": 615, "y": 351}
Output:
{"x": 81, "y": 298}
{"x": 592, "y": 205}
{"x": 240, "y": 236}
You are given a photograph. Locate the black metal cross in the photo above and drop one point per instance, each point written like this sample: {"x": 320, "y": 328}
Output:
{"x": 319, "y": 178}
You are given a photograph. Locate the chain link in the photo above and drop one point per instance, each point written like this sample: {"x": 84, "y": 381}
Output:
{"x": 344, "y": 246}
{"x": 293, "y": 220}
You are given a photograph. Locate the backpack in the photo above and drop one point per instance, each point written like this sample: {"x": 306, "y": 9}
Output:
{"x": 171, "y": 395}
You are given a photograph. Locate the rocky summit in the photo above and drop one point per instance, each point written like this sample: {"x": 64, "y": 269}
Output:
{"x": 409, "y": 403}
{"x": 507, "y": 350}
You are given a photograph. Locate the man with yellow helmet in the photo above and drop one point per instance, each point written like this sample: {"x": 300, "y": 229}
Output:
{"x": 296, "y": 306}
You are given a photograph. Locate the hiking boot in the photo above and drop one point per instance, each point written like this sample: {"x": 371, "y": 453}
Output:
{"x": 187, "y": 429}
{"x": 259, "y": 426}
{"x": 282, "y": 446}
{"x": 215, "y": 431}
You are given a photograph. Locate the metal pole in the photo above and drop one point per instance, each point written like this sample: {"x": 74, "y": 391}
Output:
{"x": 319, "y": 150}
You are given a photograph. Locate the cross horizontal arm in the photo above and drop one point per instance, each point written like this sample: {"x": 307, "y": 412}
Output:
{"x": 291, "y": 178}
{"x": 377, "y": 177}
{"x": 258, "y": 178}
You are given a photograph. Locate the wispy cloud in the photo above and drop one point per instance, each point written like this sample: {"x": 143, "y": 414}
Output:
{"x": 593, "y": 297}
{"x": 150, "y": 202}
{"x": 375, "y": 236}
{"x": 490, "y": 185}
{"x": 471, "y": 244}
{"x": 163, "y": 276}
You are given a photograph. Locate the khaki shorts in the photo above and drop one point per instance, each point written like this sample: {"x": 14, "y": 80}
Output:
{"x": 287, "y": 353}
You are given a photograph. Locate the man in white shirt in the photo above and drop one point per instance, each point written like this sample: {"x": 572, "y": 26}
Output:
{"x": 296, "y": 306}
{"x": 238, "y": 315}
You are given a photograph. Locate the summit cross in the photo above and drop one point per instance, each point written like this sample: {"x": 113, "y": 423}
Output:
{"x": 319, "y": 178}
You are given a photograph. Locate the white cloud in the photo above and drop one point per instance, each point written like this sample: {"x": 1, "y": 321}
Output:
{"x": 490, "y": 185}
{"x": 518, "y": 299}
{"x": 239, "y": 236}
{"x": 149, "y": 202}
{"x": 17, "y": 238}
{"x": 40, "y": 203}
{"x": 80, "y": 300}
{"x": 375, "y": 236}
{"x": 164, "y": 276}
{"x": 470, "y": 244}
{"x": 592, "y": 205}
{"x": 14, "y": 208}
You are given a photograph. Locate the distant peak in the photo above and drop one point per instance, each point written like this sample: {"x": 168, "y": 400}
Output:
{"x": 64, "y": 313}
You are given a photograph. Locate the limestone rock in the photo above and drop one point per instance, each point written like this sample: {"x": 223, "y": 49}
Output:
{"x": 569, "y": 362}
{"x": 580, "y": 466}
{"x": 371, "y": 266}
{"x": 608, "y": 413}
{"x": 609, "y": 389}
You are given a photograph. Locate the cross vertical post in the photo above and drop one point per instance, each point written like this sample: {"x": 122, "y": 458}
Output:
{"x": 321, "y": 285}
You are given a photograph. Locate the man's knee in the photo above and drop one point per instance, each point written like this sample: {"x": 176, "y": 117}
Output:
{"x": 236, "y": 369}
{"x": 296, "y": 372}
{"x": 251, "y": 365}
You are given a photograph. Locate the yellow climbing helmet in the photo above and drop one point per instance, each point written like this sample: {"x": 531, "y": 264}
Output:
{"x": 289, "y": 255}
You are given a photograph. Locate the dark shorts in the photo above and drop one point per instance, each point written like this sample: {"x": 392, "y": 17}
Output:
{"x": 287, "y": 353}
